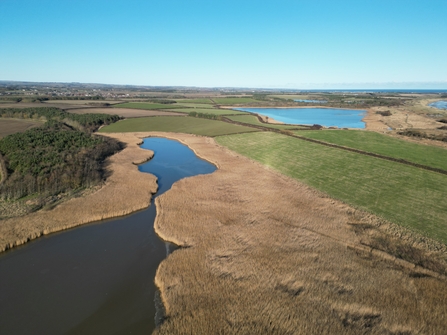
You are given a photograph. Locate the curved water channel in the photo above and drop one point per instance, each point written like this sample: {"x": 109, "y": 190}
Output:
{"x": 97, "y": 278}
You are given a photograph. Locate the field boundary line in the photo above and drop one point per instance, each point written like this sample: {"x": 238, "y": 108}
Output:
{"x": 366, "y": 153}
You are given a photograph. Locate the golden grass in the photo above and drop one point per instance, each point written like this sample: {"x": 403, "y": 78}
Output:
{"x": 268, "y": 255}
{"x": 125, "y": 191}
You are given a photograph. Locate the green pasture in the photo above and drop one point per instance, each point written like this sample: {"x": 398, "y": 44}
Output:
{"x": 191, "y": 105}
{"x": 195, "y": 101}
{"x": 213, "y": 111}
{"x": 251, "y": 119}
{"x": 290, "y": 96}
{"x": 189, "y": 125}
{"x": 146, "y": 105}
{"x": 412, "y": 197}
{"x": 231, "y": 101}
{"x": 383, "y": 145}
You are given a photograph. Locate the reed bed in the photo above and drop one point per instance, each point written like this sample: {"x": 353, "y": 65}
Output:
{"x": 265, "y": 254}
{"x": 126, "y": 190}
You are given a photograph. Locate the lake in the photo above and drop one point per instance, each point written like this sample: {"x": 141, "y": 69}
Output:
{"x": 439, "y": 104}
{"x": 328, "y": 117}
{"x": 97, "y": 278}
{"x": 311, "y": 101}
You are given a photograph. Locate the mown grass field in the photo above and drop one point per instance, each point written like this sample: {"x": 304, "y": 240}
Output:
{"x": 188, "y": 125}
{"x": 146, "y": 105}
{"x": 250, "y": 119}
{"x": 12, "y": 126}
{"x": 213, "y": 111}
{"x": 412, "y": 197}
{"x": 384, "y": 145}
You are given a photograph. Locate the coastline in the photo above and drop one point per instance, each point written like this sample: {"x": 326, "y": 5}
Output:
{"x": 126, "y": 190}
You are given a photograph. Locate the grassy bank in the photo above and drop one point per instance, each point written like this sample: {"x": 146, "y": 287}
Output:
{"x": 188, "y": 125}
{"x": 383, "y": 145}
{"x": 402, "y": 194}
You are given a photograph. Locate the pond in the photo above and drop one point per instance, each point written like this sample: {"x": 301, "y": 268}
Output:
{"x": 439, "y": 104}
{"x": 328, "y": 117}
{"x": 97, "y": 278}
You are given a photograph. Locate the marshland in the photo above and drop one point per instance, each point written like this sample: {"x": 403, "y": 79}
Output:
{"x": 287, "y": 236}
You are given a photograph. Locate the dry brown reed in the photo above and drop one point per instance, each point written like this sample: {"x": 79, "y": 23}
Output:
{"x": 125, "y": 191}
{"x": 265, "y": 254}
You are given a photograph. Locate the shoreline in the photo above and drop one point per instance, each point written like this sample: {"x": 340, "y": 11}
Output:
{"x": 127, "y": 190}
{"x": 371, "y": 122}
{"x": 259, "y": 246}
{"x": 255, "y": 241}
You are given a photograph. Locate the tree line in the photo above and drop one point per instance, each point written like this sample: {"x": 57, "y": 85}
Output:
{"x": 61, "y": 155}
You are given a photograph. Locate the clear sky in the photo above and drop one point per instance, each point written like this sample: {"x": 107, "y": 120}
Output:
{"x": 214, "y": 43}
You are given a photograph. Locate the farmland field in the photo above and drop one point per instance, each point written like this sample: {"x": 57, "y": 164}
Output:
{"x": 384, "y": 145}
{"x": 125, "y": 112}
{"x": 146, "y": 105}
{"x": 12, "y": 126}
{"x": 188, "y": 125}
{"x": 213, "y": 111}
{"x": 196, "y": 101}
{"x": 402, "y": 194}
{"x": 230, "y": 101}
{"x": 251, "y": 119}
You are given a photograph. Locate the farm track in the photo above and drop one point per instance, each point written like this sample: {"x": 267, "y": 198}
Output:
{"x": 366, "y": 153}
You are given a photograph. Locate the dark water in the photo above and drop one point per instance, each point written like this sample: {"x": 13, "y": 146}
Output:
{"x": 98, "y": 278}
{"x": 439, "y": 104}
{"x": 329, "y": 117}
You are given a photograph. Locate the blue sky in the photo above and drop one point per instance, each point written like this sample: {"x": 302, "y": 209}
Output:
{"x": 282, "y": 44}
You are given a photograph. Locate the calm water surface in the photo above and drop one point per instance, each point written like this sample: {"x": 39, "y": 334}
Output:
{"x": 311, "y": 101}
{"x": 98, "y": 278}
{"x": 329, "y": 117}
{"x": 439, "y": 104}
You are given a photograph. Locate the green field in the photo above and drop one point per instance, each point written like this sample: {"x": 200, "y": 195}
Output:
{"x": 196, "y": 101}
{"x": 251, "y": 119}
{"x": 189, "y": 125}
{"x": 213, "y": 111}
{"x": 192, "y": 105}
{"x": 231, "y": 101}
{"x": 383, "y": 145}
{"x": 146, "y": 105}
{"x": 412, "y": 197}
